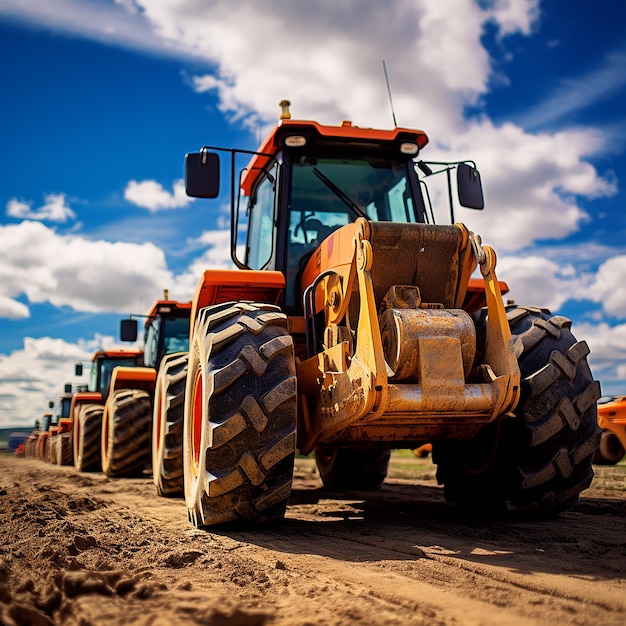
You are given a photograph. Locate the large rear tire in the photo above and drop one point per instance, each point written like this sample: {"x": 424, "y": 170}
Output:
{"x": 353, "y": 468}
{"x": 86, "y": 434}
{"x": 240, "y": 416}
{"x": 167, "y": 425}
{"x": 126, "y": 430}
{"x": 540, "y": 460}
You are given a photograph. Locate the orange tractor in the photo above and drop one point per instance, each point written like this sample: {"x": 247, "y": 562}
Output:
{"x": 612, "y": 421}
{"x": 353, "y": 325}
{"x": 60, "y": 439}
{"x": 87, "y": 407}
{"x": 152, "y": 399}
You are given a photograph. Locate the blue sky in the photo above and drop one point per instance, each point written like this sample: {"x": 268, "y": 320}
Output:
{"x": 101, "y": 99}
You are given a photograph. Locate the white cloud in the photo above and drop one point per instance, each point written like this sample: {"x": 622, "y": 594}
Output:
{"x": 531, "y": 181}
{"x": 69, "y": 270}
{"x": 513, "y": 16}
{"x": 12, "y": 309}
{"x": 35, "y": 374}
{"x": 54, "y": 209}
{"x": 609, "y": 286}
{"x": 216, "y": 255}
{"x": 608, "y": 354}
{"x": 151, "y": 195}
{"x": 537, "y": 281}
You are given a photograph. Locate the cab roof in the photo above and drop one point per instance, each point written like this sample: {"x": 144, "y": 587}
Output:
{"x": 343, "y": 135}
{"x": 119, "y": 353}
{"x": 182, "y": 309}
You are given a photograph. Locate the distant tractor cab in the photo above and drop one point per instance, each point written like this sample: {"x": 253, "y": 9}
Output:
{"x": 354, "y": 324}
{"x": 87, "y": 407}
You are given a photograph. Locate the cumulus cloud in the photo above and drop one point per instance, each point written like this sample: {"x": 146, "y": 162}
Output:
{"x": 151, "y": 195}
{"x": 69, "y": 270}
{"x": 12, "y": 309}
{"x": 216, "y": 255}
{"x": 512, "y": 16}
{"x": 609, "y": 286}
{"x": 54, "y": 209}
{"x": 35, "y": 374}
{"x": 608, "y": 354}
{"x": 531, "y": 181}
{"x": 537, "y": 281}
{"x": 552, "y": 276}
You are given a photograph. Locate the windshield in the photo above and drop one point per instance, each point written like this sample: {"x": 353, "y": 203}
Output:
{"x": 327, "y": 193}
{"x": 351, "y": 187}
{"x": 165, "y": 335}
{"x": 101, "y": 371}
{"x": 176, "y": 331}
{"x": 66, "y": 403}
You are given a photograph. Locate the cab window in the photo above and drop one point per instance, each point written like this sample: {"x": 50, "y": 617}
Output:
{"x": 261, "y": 222}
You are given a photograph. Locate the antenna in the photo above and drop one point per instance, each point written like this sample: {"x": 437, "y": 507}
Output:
{"x": 393, "y": 113}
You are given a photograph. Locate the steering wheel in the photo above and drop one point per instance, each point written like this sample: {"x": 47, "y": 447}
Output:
{"x": 302, "y": 226}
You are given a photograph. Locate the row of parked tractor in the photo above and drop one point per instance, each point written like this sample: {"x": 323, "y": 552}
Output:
{"x": 128, "y": 418}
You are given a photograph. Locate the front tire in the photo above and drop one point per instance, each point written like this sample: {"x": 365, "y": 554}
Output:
{"x": 86, "y": 434}
{"x": 126, "y": 429}
{"x": 167, "y": 425}
{"x": 240, "y": 416}
{"x": 539, "y": 460}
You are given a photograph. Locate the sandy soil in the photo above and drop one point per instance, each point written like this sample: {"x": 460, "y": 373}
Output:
{"x": 84, "y": 549}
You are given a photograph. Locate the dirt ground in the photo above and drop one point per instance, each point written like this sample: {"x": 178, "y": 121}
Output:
{"x": 82, "y": 549}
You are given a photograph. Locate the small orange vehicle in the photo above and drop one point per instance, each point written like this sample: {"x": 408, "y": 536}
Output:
{"x": 612, "y": 421}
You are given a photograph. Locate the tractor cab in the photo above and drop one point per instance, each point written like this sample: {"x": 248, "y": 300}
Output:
{"x": 166, "y": 330}
{"x": 307, "y": 180}
{"x": 104, "y": 362}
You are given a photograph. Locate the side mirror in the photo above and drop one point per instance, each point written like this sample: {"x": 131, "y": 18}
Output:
{"x": 202, "y": 175}
{"x": 469, "y": 187}
{"x": 78, "y": 369}
{"x": 128, "y": 330}
{"x": 50, "y": 404}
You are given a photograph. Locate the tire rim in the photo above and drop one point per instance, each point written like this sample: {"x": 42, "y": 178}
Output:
{"x": 105, "y": 438}
{"x": 197, "y": 422}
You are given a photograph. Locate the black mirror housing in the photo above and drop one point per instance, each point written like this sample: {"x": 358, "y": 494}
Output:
{"x": 469, "y": 187}
{"x": 202, "y": 175}
{"x": 78, "y": 369}
{"x": 128, "y": 330}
